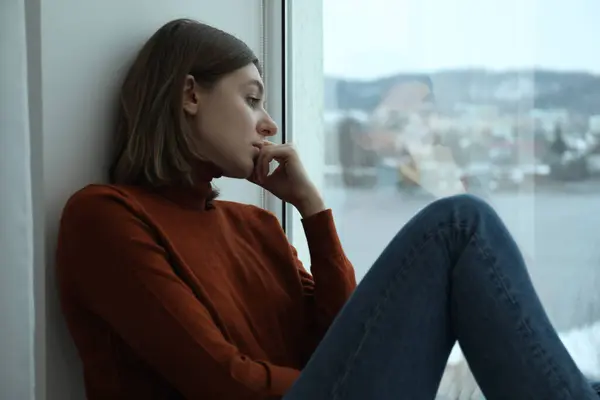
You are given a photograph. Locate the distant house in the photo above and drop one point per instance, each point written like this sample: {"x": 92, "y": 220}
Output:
{"x": 548, "y": 119}
{"x": 594, "y": 123}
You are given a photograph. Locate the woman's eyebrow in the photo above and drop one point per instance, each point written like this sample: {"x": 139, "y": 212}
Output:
{"x": 259, "y": 85}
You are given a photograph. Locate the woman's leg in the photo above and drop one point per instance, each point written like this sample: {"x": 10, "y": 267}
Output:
{"x": 452, "y": 273}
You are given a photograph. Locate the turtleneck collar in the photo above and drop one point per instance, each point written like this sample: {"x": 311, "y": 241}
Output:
{"x": 199, "y": 196}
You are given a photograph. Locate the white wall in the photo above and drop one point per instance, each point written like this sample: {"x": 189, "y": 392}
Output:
{"x": 16, "y": 222}
{"x": 53, "y": 141}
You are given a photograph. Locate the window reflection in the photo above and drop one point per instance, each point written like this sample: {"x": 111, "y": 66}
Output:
{"x": 526, "y": 138}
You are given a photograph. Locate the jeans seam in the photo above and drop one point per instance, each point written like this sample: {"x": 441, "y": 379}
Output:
{"x": 525, "y": 324}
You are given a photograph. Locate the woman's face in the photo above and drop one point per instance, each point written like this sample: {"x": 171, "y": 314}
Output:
{"x": 229, "y": 120}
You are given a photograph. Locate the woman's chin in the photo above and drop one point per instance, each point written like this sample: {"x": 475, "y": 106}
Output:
{"x": 240, "y": 171}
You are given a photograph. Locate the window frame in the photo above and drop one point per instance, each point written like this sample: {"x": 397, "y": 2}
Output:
{"x": 274, "y": 61}
{"x": 293, "y": 40}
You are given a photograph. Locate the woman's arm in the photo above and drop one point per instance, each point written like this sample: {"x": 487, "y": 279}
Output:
{"x": 333, "y": 279}
{"x": 109, "y": 259}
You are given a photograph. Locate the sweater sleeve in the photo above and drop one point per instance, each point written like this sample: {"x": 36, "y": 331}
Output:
{"x": 110, "y": 260}
{"x": 333, "y": 279}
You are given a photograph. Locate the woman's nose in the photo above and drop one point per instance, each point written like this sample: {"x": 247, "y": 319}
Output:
{"x": 268, "y": 128}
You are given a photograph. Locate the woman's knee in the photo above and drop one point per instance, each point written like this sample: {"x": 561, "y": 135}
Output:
{"x": 463, "y": 200}
{"x": 462, "y": 206}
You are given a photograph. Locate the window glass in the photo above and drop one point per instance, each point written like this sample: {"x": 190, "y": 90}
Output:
{"x": 427, "y": 98}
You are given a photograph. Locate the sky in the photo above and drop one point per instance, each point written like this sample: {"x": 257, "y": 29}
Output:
{"x": 366, "y": 39}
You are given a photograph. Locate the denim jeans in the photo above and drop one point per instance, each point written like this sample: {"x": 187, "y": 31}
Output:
{"x": 451, "y": 273}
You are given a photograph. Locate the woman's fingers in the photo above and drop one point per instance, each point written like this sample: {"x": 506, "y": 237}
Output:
{"x": 270, "y": 152}
{"x": 260, "y": 161}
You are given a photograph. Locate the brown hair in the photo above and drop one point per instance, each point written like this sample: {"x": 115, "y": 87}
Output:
{"x": 154, "y": 144}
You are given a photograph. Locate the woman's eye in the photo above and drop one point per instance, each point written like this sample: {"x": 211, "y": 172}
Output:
{"x": 253, "y": 101}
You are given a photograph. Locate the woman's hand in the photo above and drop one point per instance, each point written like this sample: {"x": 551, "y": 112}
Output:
{"x": 289, "y": 181}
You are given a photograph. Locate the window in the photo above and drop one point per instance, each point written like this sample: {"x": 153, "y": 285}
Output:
{"x": 508, "y": 89}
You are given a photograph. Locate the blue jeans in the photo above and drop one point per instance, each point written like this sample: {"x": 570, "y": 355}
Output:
{"x": 452, "y": 273}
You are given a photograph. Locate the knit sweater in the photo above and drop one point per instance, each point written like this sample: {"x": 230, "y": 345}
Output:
{"x": 166, "y": 298}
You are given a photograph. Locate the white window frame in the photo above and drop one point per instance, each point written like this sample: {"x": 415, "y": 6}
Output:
{"x": 273, "y": 59}
{"x": 293, "y": 59}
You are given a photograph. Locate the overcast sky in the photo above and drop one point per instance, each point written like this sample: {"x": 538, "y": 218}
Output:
{"x": 372, "y": 38}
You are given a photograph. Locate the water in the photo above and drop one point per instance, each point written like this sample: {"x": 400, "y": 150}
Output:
{"x": 557, "y": 229}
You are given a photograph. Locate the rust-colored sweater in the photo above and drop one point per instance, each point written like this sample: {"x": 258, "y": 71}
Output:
{"x": 166, "y": 299}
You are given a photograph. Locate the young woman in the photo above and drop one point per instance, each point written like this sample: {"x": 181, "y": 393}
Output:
{"x": 171, "y": 294}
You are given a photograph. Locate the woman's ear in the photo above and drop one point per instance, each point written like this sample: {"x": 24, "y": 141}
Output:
{"x": 191, "y": 96}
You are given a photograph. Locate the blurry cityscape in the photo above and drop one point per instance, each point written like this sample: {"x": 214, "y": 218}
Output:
{"x": 528, "y": 141}
{"x": 503, "y": 129}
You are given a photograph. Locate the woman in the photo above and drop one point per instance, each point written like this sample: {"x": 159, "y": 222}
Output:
{"x": 171, "y": 294}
